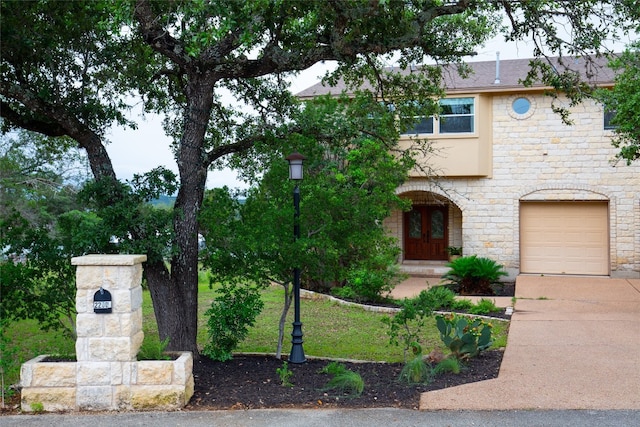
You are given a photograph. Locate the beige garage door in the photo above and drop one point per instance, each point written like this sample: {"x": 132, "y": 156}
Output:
{"x": 564, "y": 238}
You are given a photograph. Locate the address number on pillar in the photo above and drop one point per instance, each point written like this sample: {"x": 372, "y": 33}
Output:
{"x": 102, "y": 301}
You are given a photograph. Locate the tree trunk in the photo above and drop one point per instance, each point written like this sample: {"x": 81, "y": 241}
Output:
{"x": 175, "y": 293}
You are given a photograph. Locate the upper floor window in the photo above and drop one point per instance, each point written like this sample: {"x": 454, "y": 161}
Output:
{"x": 457, "y": 115}
{"x": 608, "y": 116}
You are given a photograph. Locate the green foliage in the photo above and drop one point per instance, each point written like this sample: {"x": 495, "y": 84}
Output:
{"x": 406, "y": 324}
{"x": 343, "y": 380}
{"x": 230, "y": 316}
{"x": 153, "y": 349}
{"x": 366, "y": 285}
{"x": 449, "y": 364}
{"x": 464, "y": 338}
{"x": 8, "y": 362}
{"x": 454, "y": 250}
{"x": 462, "y": 304}
{"x": 37, "y": 407}
{"x": 439, "y": 297}
{"x": 285, "y": 374}
{"x": 624, "y": 100}
{"x": 416, "y": 371}
{"x": 484, "y": 306}
{"x": 473, "y": 275}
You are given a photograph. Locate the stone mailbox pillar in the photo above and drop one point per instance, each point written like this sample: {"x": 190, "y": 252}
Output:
{"x": 107, "y": 375}
{"x": 107, "y": 343}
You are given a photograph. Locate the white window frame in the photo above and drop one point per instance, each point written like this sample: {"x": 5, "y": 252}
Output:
{"x": 437, "y": 122}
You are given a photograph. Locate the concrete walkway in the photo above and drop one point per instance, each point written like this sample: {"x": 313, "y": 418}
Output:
{"x": 574, "y": 343}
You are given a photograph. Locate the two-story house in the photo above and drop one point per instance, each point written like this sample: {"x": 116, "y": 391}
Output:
{"x": 516, "y": 184}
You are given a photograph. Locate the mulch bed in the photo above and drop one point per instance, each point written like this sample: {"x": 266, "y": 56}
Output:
{"x": 251, "y": 382}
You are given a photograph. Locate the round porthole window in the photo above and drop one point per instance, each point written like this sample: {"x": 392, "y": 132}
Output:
{"x": 521, "y": 106}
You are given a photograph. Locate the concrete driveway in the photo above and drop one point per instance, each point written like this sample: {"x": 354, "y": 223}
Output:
{"x": 574, "y": 343}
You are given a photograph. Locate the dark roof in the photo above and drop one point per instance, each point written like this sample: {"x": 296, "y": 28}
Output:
{"x": 483, "y": 76}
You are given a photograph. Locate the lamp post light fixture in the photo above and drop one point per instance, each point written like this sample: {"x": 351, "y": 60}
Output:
{"x": 295, "y": 173}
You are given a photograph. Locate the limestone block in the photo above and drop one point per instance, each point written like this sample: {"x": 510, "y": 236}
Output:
{"x": 122, "y": 301}
{"x": 163, "y": 397}
{"x": 83, "y": 304}
{"x": 122, "y": 397}
{"x": 50, "y": 399}
{"x": 129, "y": 371}
{"x": 116, "y": 370}
{"x": 82, "y": 349}
{"x": 129, "y": 277}
{"x": 94, "y": 398}
{"x": 114, "y": 348}
{"x": 156, "y": 372}
{"x": 94, "y": 373}
{"x": 89, "y": 325}
{"x": 183, "y": 368}
{"x": 89, "y": 277}
{"x": 26, "y": 371}
{"x": 53, "y": 374}
{"x": 110, "y": 277}
{"x": 123, "y": 324}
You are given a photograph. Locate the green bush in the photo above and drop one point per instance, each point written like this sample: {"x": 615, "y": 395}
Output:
{"x": 230, "y": 316}
{"x": 463, "y": 304}
{"x": 484, "y": 306}
{"x": 416, "y": 371}
{"x": 438, "y": 297}
{"x": 344, "y": 380}
{"x": 368, "y": 284}
{"x": 473, "y": 275}
{"x": 405, "y": 325}
{"x": 285, "y": 374}
{"x": 450, "y": 364}
{"x": 153, "y": 349}
{"x": 465, "y": 339}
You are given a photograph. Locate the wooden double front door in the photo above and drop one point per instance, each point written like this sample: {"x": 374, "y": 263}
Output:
{"x": 426, "y": 233}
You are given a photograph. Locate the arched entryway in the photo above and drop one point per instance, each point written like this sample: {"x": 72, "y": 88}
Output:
{"x": 426, "y": 231}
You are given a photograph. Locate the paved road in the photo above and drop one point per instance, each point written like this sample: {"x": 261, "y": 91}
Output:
{"x": 329, "y": 418}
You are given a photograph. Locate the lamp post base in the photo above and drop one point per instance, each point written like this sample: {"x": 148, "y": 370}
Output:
{"x": 297, "y": 352}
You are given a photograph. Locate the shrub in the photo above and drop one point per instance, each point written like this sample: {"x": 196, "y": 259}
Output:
{"x": 416, "y": 371}
{"x": 462, "y": 304}
{"x": 344, "y": 380}
{"x": 471, "y": 275}
{"x": 465, "y": 339}
{"x": 370, "y": 284}
{"x": 230, "y": 315}
{"x": 285, "y": 375}
{"x": 153, "y": 349}
{"x": 450, "y": 364}
{"x": 438, "y": 297}
{"x": 484, "y": 306}
{"x": 405, "y": 325}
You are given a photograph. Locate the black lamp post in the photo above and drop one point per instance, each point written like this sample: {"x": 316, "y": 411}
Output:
{"x": 295, "y": 173}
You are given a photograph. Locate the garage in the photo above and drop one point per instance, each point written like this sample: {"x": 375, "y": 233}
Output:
{"x": 564, "y": 238}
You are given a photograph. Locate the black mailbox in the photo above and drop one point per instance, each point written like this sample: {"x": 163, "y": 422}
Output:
{"x": 102, "y": 301}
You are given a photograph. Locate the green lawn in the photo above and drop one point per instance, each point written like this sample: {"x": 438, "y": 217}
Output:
{"x": 330, "y": 330}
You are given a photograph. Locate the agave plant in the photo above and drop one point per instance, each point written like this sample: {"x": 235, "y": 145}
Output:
{"x": 473, "y": 275}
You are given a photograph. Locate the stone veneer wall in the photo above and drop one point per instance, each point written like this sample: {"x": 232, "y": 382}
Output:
{"x": 537, "y": 157}
{"x": 107, "y": 375}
